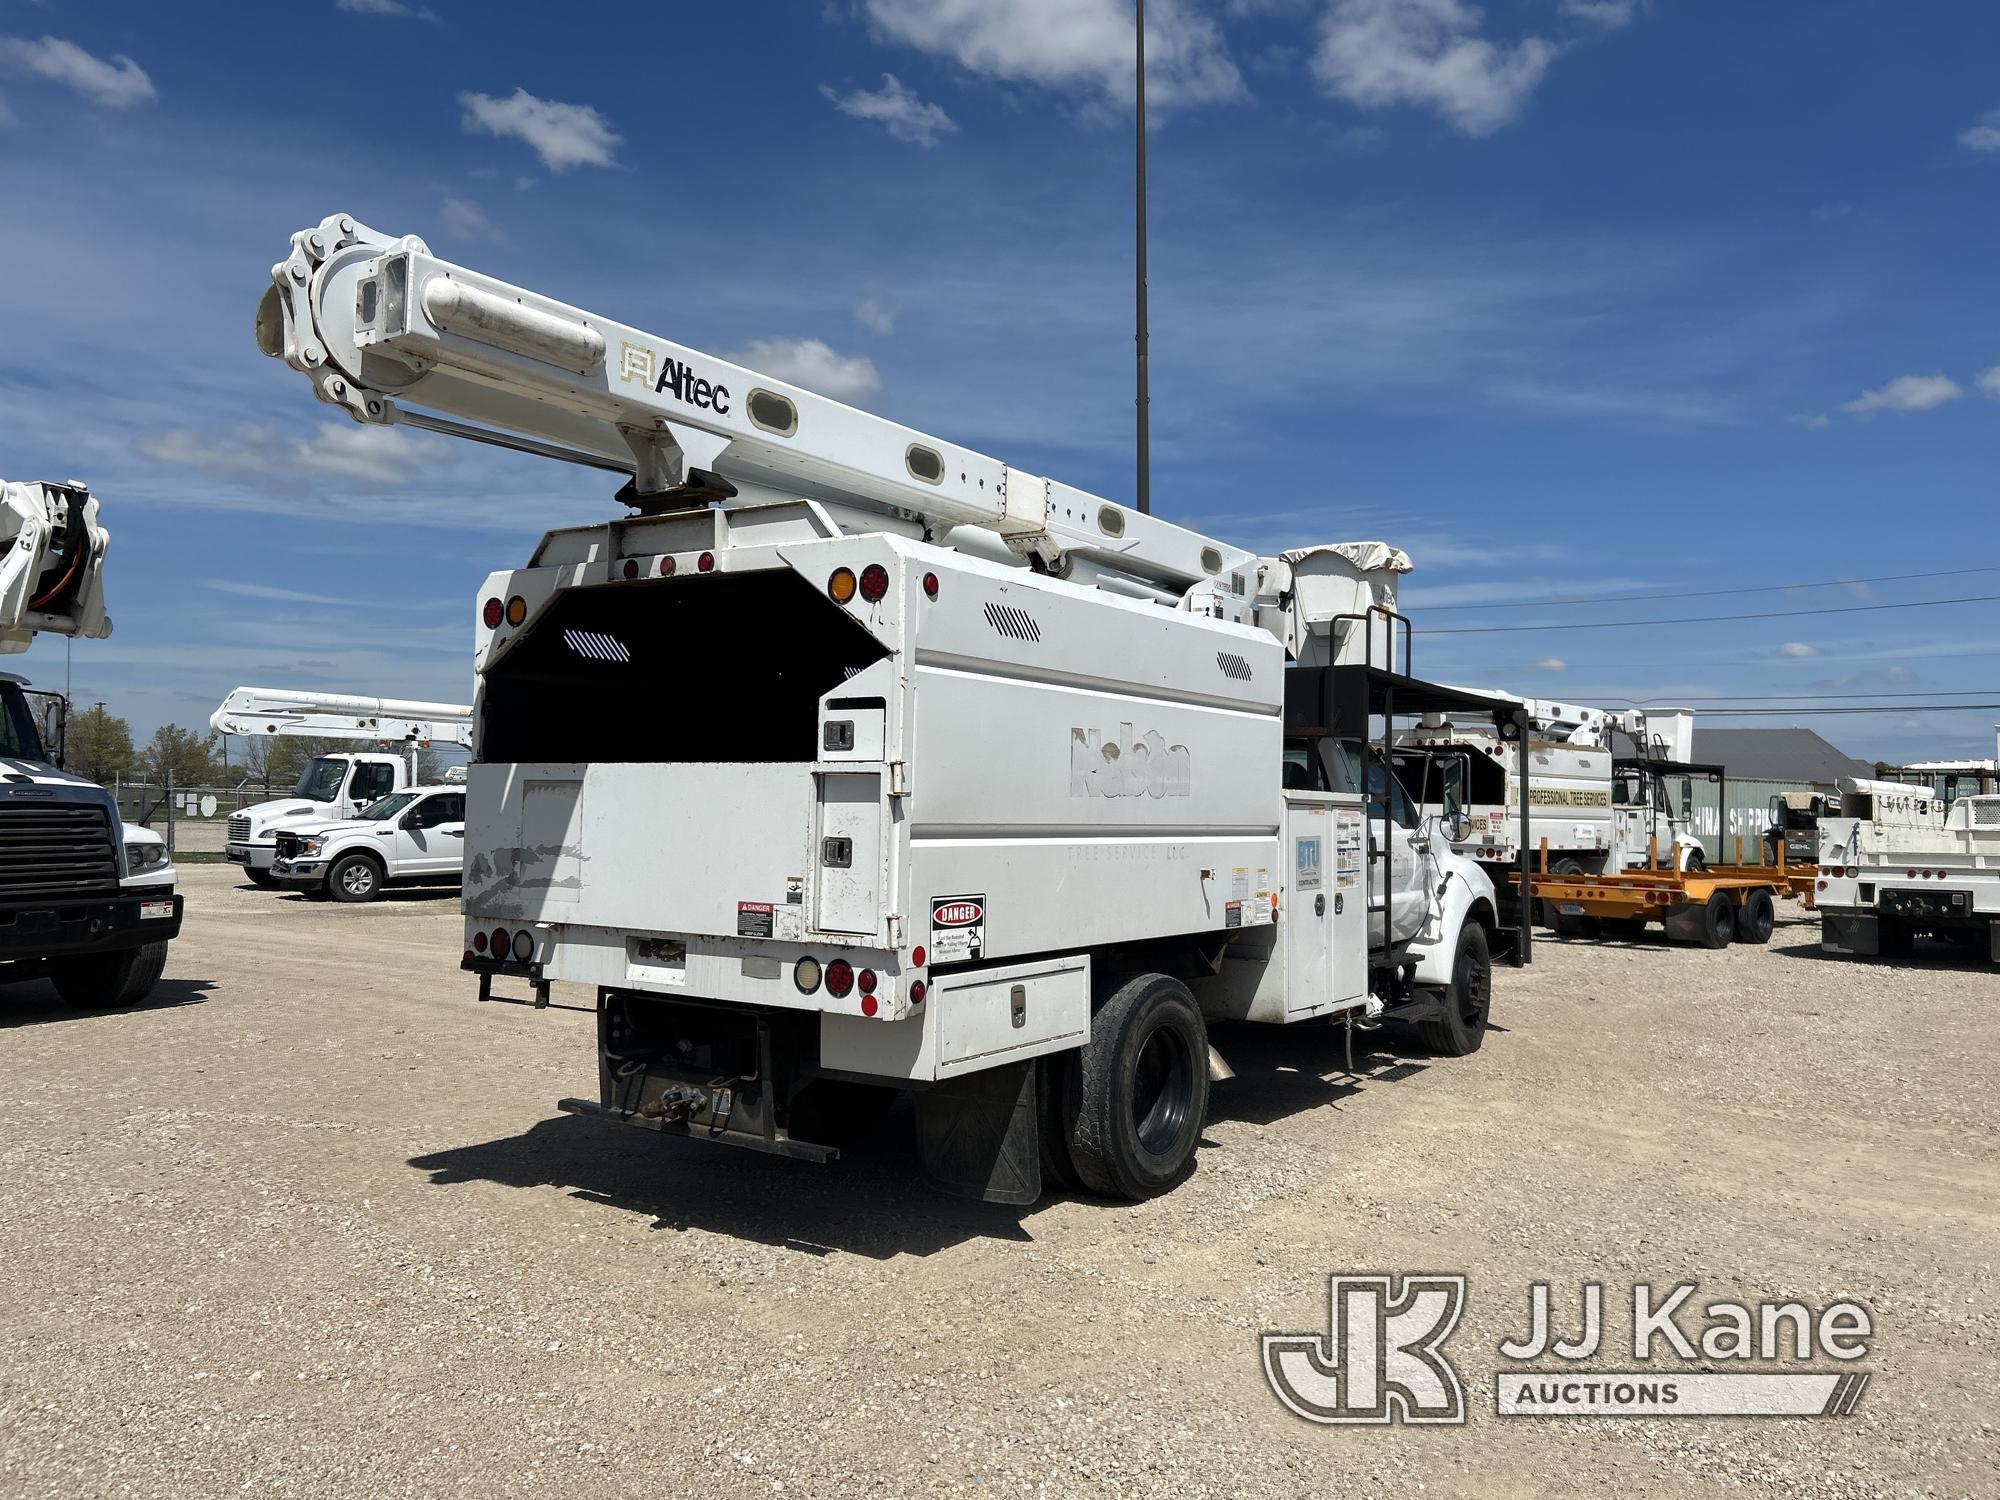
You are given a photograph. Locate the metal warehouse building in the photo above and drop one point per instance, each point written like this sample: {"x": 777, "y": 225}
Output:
{"x": 1760, "y": 763}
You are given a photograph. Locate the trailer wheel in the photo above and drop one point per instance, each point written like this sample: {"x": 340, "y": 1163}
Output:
{"x": 1142, "y": 1090}
{"x": 1466, "y": 1001}
{"x": 106, "y": 981}
{"x": 1716, "y": 925}
{"x": 354, "y": 877}
{"x": 1555, "y": 920}
{"x": 1756, "y": 918}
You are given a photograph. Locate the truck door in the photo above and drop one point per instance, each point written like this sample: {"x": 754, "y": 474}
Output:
{"x": 430, "y": 839}
{"x": 370, "y": 781}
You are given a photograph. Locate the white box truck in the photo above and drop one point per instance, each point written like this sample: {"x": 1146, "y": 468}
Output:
{"x": 1898, "y": 863}
{"x": 856, "y": 761}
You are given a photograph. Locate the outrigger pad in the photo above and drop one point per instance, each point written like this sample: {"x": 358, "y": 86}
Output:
{"x": 979, "y": 1137}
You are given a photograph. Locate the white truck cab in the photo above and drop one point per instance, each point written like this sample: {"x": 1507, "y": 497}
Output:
{"x": 330, "y": 789}
{"x": 412, "y": 837}
{"x": 84, "y": 899}
{"x": 1898, "y": 863}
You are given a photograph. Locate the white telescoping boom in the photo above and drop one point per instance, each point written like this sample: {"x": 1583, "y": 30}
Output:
{"x": 51, "y": 564}
{"x": 343, "y": 716}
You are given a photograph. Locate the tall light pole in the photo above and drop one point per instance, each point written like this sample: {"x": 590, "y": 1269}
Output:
{"x": 1145, "y": 400}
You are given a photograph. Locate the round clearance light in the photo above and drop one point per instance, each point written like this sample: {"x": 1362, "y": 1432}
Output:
{"x": 503, "y": 941}
{"x": 869, "y": 1005}
{"x": 868, "y": 981}
{"x": 840, "y": 979}
{"x": 918, "y": 957}
{"x": 840, "y": 587}
{"x": 706, "y": 562}
{"x": 517, "y": 610}
{"x": 479, "y": 942}
{"x": 874, "y": 582}
{"x": 930, "y": 585}
{"x": 524, "y": 946}
{"x": 918, "y": 990}
{"x": 805, "y": 974}
{"x": 493, "y": 614}
{"x": 666, "y": 567}
{"x": 631, "y": 568}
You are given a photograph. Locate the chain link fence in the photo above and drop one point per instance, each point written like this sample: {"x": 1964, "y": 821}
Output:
{"x": 193, "y": 820}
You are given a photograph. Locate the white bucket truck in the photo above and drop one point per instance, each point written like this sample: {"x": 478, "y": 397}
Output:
{"x": 331, "y": 788}
{"x": 1899, "y": 863}
{"x": 857, "y": 761}
{"x": 84, "y": 898}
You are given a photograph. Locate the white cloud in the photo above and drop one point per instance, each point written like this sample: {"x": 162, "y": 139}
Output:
{"x": 810, "y": 363}
{"x": 897, "y": 109}
{"x": 1073, "y": 46}
{"x": 1989, "y": 383}
{"x": 1797, "y": 649}
{"x": 563, "y": 135}
{"x": 466, "y": 220}
{"x": 1610, "y": 14}
{"x": 874, "y": 317}
{"x": 1375, "y": 54}
{"x": 386, "y": 8}
{"x": 1983, "y": 134}
{"x": 118, "y": 83}
{"x": 1906, "y": 393}
{"x": 1551, "y": 664}
{"x": 365, "y": 455}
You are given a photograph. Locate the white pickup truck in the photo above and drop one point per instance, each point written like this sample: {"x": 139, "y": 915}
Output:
{"x": 330, "y": 789}
{"x": 412, "y": 837}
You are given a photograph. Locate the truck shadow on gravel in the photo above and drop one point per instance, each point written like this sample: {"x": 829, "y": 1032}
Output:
{"x": 1924, "y": 954}
{"x": 35, "y": 1002}
{"x": 873, "y": 1202}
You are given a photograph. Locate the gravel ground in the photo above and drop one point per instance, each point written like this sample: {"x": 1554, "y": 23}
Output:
{"x": 309, "y": 1224}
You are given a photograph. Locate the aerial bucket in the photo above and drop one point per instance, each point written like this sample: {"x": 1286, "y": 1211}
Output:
{"x": 1340, "y": 593}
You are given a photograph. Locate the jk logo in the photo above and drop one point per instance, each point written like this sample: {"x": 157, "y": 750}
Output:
{"x": 1379, "y": 1360}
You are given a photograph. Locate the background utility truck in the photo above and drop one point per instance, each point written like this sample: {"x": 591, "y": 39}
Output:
{"x": 1597, "y": 786}
{"x": 1897, "y": 863}
{"x": 858, "y": 761}
{"x": 84, "y": 898}
{"x": 331, "y": 788}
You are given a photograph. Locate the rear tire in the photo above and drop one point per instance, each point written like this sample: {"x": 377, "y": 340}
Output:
{"x": 107, "y": 981}
{"x": 263, "y": 878}
{"x": 1756, "y": 918}
{"x": 1556, "y": 921}
{"x": 1141, "y": 1090}
{"x": 354, "y": 877}
{"x": 1716, "y": 926}
{"x": 1467, "y": 1000}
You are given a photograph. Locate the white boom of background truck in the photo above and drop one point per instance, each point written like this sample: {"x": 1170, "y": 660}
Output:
{"x": 857, "y": 761}
{"x": 84, "y": 898}
{"x": 331, "y": 788}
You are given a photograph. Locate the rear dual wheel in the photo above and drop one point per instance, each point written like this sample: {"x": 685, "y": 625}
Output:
{"x": 107, "y": 981}
{"x": 1121, "y": 1116}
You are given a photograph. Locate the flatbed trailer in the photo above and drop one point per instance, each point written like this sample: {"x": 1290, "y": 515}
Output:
{"x": 1711, "y": 907}
{"x": 1791, "y": 877}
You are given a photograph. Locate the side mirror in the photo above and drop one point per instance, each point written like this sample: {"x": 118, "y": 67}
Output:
{"x": 1458, "y": 826}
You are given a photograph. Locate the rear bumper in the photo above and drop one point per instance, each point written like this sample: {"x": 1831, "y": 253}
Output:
{"x": 106, "y": 924}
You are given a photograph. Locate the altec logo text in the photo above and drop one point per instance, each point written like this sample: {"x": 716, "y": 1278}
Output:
{"x": 681, "y": 381}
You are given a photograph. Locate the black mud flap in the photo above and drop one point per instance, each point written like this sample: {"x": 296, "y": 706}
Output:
{"x": 1860, "y": 935}
{"x": 978, "y": 1136}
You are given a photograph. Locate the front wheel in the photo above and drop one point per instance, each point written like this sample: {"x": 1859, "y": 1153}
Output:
{"x": 354, "y": 877}
{"x": 106, "y": 981}
{"x": 1466, "y": 1001}
{"x": 1141, "y": 1090}
{"x": 259, "y": 877}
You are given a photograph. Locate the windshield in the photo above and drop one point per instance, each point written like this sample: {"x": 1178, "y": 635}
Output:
{"x": 320, "y": 780}
{"x": 18, "y": 739}
{"x": 388, "y": 807}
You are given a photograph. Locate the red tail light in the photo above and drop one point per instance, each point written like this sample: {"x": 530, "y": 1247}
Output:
{"x": 631, "y": 568}
{"x": 493, "y": 614}
{"x": 666, "y": 567}
{"x": 706, "y": 562}
{"x": 930, "y": 585}
{"x": 840, "y": 979}
{"x": 868, "y": 981}
{"x": 869, "y": 1005}
{"x": 917, "y": 991}
{"x": 918, "y": 957}
{"x": 503, "y": 942}
{"x": 874, "y": 582}
{"x": 479, "y": 942}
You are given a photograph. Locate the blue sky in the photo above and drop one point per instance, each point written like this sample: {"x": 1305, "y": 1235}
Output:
{"x": 1566, "y": 297}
